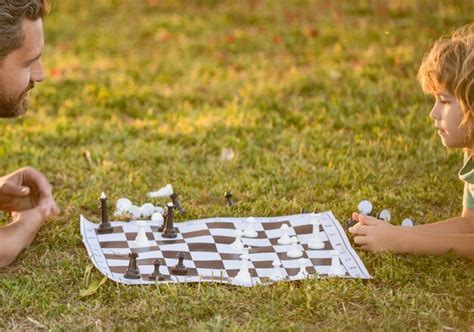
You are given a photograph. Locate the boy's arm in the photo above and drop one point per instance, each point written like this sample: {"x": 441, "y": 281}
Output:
{"x": 457, "y": 225}
{"x": 18, "y": 234}
{"x": 375, "y": 235}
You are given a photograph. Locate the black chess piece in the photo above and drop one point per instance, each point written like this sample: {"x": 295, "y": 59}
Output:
{"x": 228, "y": 197}
{"x": 132, "y": 272}
{"x": 156, "y": 275}
{"x": 180, "y": 268}
{"x": 169, "y": 230}
{"x": 349, "y": 223}
{"x": 174, "y": 197}
{"x": 303, "y": 211}
{"x": 105, "y": 227}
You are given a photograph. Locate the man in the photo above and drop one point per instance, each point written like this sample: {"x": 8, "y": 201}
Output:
{"x": 25, "y": 193}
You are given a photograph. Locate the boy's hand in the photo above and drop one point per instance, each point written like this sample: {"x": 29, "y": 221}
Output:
{"x": 375, "y": 235}
{"x": 31, "y": 219}
{"x": 27, "y": 189}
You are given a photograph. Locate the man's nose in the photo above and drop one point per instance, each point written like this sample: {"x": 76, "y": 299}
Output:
{"x": 37, "y": 74}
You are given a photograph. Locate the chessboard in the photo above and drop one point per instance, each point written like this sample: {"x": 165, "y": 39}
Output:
{"x": 206, "y": 245}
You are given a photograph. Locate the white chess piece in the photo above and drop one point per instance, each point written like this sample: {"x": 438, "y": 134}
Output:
{"x": 276, "y": 275}
{"x": 284, "y": 238}
{"x": 147, "y": 209}
{"x": 163, "y": 192}
{"x": 302, "y": 273}
{"x": 135, "y": 212}
{"x": 365, "y": 207}
{"x": 157, "y": 217}
{"x": 294, "y": 251}
{"x": 243, "y": 276}
{"x": 336, "y": 269}
{"x": 250, "y": 231}
{"x": 123, "y": 204}
{"x": 407, "y": 223}
{"x": 237, "y": 245}
{"x": 316, "y": 241}
{"x": 159, "y": 209}
{"x": 141, "y": 240}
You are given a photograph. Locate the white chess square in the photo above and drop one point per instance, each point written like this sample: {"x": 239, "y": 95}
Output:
{"x": 205, "y": 256}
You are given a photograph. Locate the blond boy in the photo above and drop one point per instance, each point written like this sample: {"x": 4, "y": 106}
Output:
{"x": 447, "y": 72}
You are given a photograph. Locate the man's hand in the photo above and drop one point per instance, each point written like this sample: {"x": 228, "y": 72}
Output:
{"x": 376, "y": 235}
{"x": 27, "y": 189}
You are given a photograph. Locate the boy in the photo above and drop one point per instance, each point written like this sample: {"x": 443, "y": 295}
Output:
{"x": 447, "y": 72}
{"x": 25, "y": 193}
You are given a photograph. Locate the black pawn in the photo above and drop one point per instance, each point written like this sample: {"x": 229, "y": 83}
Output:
{"x": 228, "y": 197}
{"x": 132, "y": 272}
{"x": 156, "y": 275}
{"x": 349, "y": 223}
{"x": 174, "y": 197}
{"x": 180, "y": 269}
{"x": 169, "y": 231}
{"x": 105, "y": 227}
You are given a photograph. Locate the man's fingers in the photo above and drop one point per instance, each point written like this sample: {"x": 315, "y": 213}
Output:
{"x": 9, "y": 188}
{"x": 42, "y": 184}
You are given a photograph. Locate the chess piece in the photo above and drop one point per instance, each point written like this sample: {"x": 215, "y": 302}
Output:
{"x": 132, "y": 272}
{"x": 276, "y": 275}
{"x": 349, "y": 223}
{"x": 284, "y": 238}
{"x": 156, "y": 275}
{"x": 169, "y": 230}
{"x": 365, "y": 207}
{"x": 141, "y": 240}
{"x": 163, "y": 192}
{"x": 294, "y": 251}
{"x": 243, "y": 276}
{"x": 316, "y": 241}
{"x": 407, "y": 223}
{"x": 135, "y": 212}
{"x": 336, "y": 269}
{"x": 180, "y": 268}
{"x": 157, "y": 217}
{"x": 237, "y": 245}
{"x": 146, "y": 210}
{"x": 384, "y": 215}
{"x": 105, "y": 227}
{"x": 302, "y": 273}
{"x": 250, "y": 231}
{"x": 177, "y": 204}
{"x": 303, "y": 211}
{"x": 122, "y": 205}
{"x": 228, "y": 197}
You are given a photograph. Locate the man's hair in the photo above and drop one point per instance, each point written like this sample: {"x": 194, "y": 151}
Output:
{"x": 12, "y": 13}
{"x": 450, "y": 64}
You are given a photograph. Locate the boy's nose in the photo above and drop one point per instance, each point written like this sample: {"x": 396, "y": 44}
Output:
{"x": 434, "y": 114}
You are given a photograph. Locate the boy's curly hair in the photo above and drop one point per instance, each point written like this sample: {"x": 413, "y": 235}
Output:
{"x": 450, "y": 64}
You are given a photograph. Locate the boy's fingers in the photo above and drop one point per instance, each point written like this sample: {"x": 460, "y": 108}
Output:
{"x": 367, "y": 220}
{"x": 361, "y": 240}
{"x": 44, "y": 187}
{"x": 355, "y": 216}
{"x": 9, "y": 188}
{"x": 358, "y": 230}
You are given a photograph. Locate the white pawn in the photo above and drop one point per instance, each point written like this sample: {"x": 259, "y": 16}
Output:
{"x": 141, "y": 240}
{"x": 243, "y": 276}
{"x": 250, "y": 231}
{"x": 135, "y": 212}
{"x": 302, "y": 273}
{"x": 284, "y": 239}
{"x": 146, "y": 210}
{"x": 294, "y": 251}
{"x": 276, "y": 275}
{"x": 407, "y": 223}
{"x": 336, "y": 270}
{"x": 316, "y": 241}
{"x": 123, "y": 204}
{"x": 157, "y": 217}
{"x": 237, "y": 245}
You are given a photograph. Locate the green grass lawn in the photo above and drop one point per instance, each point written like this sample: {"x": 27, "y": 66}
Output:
{"x": 319, "y": 103}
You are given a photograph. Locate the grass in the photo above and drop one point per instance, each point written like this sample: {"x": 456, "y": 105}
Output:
{"x": 317, "y": 100}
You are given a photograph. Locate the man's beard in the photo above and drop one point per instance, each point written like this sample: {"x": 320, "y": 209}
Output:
{"x": 12, "y": 107}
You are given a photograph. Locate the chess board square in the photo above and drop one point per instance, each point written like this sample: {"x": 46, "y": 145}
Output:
{"x": 263, "y": 257}
{"x": 222, "y": 232}
{"x": 232, "y": 265}
{"x": 220, "y": 225}
{"x": 174, "y": 247}
{"x": 112, "y": 236}
{"x": 226, "y": 240}
{"x": 173, "y": 254}
{"x": 116, "y": 229}
{"x": 202, "y": 247}
{"x": 253, "y": 242}
{"x": 267, "y": 249}
{"x": 275, "y": 225}
{"x": 159, "y": 237}
{"x": 233, "y": 272}
{"x": 169, "y": 242}
{"x": 209, "y": 264}
{"x": 114, "y": 244}
{"x": 230, "y": 257}
{"x": 203, "y": 256}
{"x": 191, "y": 228}
{"x": 303, "y": 229}
{"x": 226, "y": 248}
{"x": 198, "y": 233}
{"x": 200, "y": 239}
{"x": 263, "y": 264}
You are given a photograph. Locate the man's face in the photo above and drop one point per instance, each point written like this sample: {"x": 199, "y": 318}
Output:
{"x": 448, "y": 116}
{"x": 20, "y": 70}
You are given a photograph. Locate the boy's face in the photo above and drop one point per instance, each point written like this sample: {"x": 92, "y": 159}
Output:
{"x": 20, "y": 69}
{"x": 448, "y": 116}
